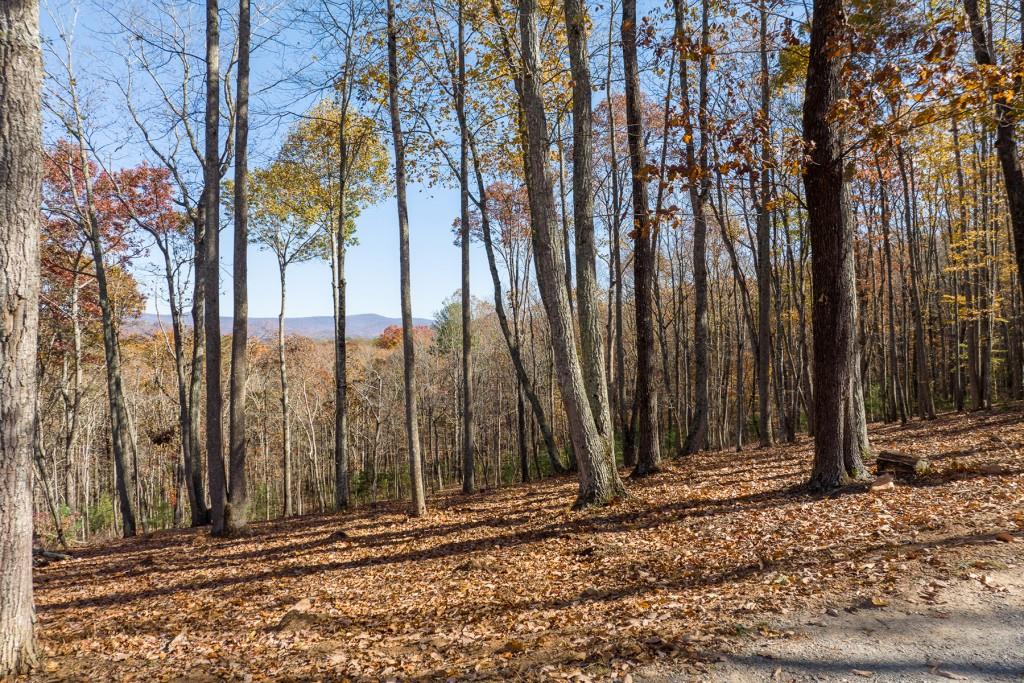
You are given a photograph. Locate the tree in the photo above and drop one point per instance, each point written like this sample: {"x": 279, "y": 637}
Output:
{"x": 412, "y": 435}
{"x": 649, "y": 452}
{"x": 468, "y": 464}
{"x": 277, "y": 196}
{"x": 764, "y": 259}
{"x": 163, "y": 51}
{"x": 82, "y": 200}
{"x": 599, "y": 481}
{"x": 210, "y": 274}
{"x": 21, "y": 170}
{"x": 236, "y": 512}
{"x": 836, "y": 458}
{"x": 355, "y": 177}
{"x": 591, "y": 343}
{"x": 331, "y": 166}
{"x": 699, "y": 186}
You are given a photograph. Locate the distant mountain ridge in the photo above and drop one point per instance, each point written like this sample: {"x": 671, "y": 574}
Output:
{"x": 321, "y": 327}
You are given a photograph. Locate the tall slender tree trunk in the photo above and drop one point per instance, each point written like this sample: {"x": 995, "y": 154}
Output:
{"x": 468, "y": 467}
{"x": 194, "y": 458}
{"x": 211, "y": 273}
{"x": 646, "y": 396}
{"x": 412, "y": 437}
{"x": 587, "y": 296}
{"x": 286, "y": 417}
{"x": 120, "y": 439}
{"x": 126, "y": 475}
{"x": 599, "y": 480}
{"x": 832, "y": 257}
{"x": 621, "y": 408}
{"x": 925, "y": 403}
{"x": 177, "y": 334}
{"x": 341, "y": 457}
{"x": 897, "y": 404}
{"x": 764, "y": 259}
{"x": 697, "y": 435}
{"x": 236, "y": 514}
{"x": 21, "y": 172}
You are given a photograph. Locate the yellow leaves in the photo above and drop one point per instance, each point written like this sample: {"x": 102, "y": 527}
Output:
{"x": 1004, "y": 96}
{"x": 301, "y": 187}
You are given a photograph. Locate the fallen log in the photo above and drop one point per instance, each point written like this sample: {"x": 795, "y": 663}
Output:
{"x": 901, "y": 464}
{"x": 49, "y": 554}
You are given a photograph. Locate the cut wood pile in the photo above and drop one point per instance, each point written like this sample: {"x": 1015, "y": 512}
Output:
{"x": 902, "y": 464}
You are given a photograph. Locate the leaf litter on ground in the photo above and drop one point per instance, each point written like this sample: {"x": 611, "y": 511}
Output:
{"x": 510, "y": 584}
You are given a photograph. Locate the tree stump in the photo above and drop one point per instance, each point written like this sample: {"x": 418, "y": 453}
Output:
{"x": 901, "y": 464}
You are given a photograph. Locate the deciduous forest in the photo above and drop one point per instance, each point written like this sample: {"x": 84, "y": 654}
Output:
{"x": 744, "y": 384}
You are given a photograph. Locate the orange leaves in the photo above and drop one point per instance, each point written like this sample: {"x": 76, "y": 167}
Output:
{"x": 508, "y": 585}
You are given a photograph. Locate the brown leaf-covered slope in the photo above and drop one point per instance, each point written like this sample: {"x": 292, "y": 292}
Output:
{"x": 511, "y": 585}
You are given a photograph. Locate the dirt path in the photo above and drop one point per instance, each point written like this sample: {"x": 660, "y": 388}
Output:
{"x": 967, "y": 627}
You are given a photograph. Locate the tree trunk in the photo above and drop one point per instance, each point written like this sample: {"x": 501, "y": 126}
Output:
{"x": 21, "y": 171}
{"x": 468, "y": 468}
{"x": 412, "y": 438}
{"x": 286, "y": 418}
{"x": 194, "y": 457}
{"x": 341, "y": 458}
{"x": 697, "y": 436}
{"x": 591, "y": 343}
{"x": 832, "y": 258}
{"x": 925, "y": 404}
{"x": 211, "y": 273}
{"x": 622, "y": 410}
{"x": 764, "y": 261}
{"x": 599, "y": 480}
{"x": 646, "y": 397}
{"x": 184, "y": 420}
{"x": 236, "y": 514}
{"x": 115, "y": 391}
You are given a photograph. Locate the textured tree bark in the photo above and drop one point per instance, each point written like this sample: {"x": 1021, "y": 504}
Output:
{"x": 211, "y": 273}
{"x": 236, "y": 512}
{"x": 587, "y": 299}
{"x": 510, "y": 333}
{"x": 194, "y": 457}
{"x": 832, "y": 257}
{"x": 21, "y": 171}
{"x": 646, "y": 397}
{"x": 412, "y": 435}
{"x": 468, "y": 468}
{"x": 599, "y": 480}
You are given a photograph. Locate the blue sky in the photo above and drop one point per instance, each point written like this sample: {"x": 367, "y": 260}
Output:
{"x": 372, "y": 265}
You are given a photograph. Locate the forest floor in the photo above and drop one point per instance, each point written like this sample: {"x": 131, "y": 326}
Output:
{"x": 720, "y": 568}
